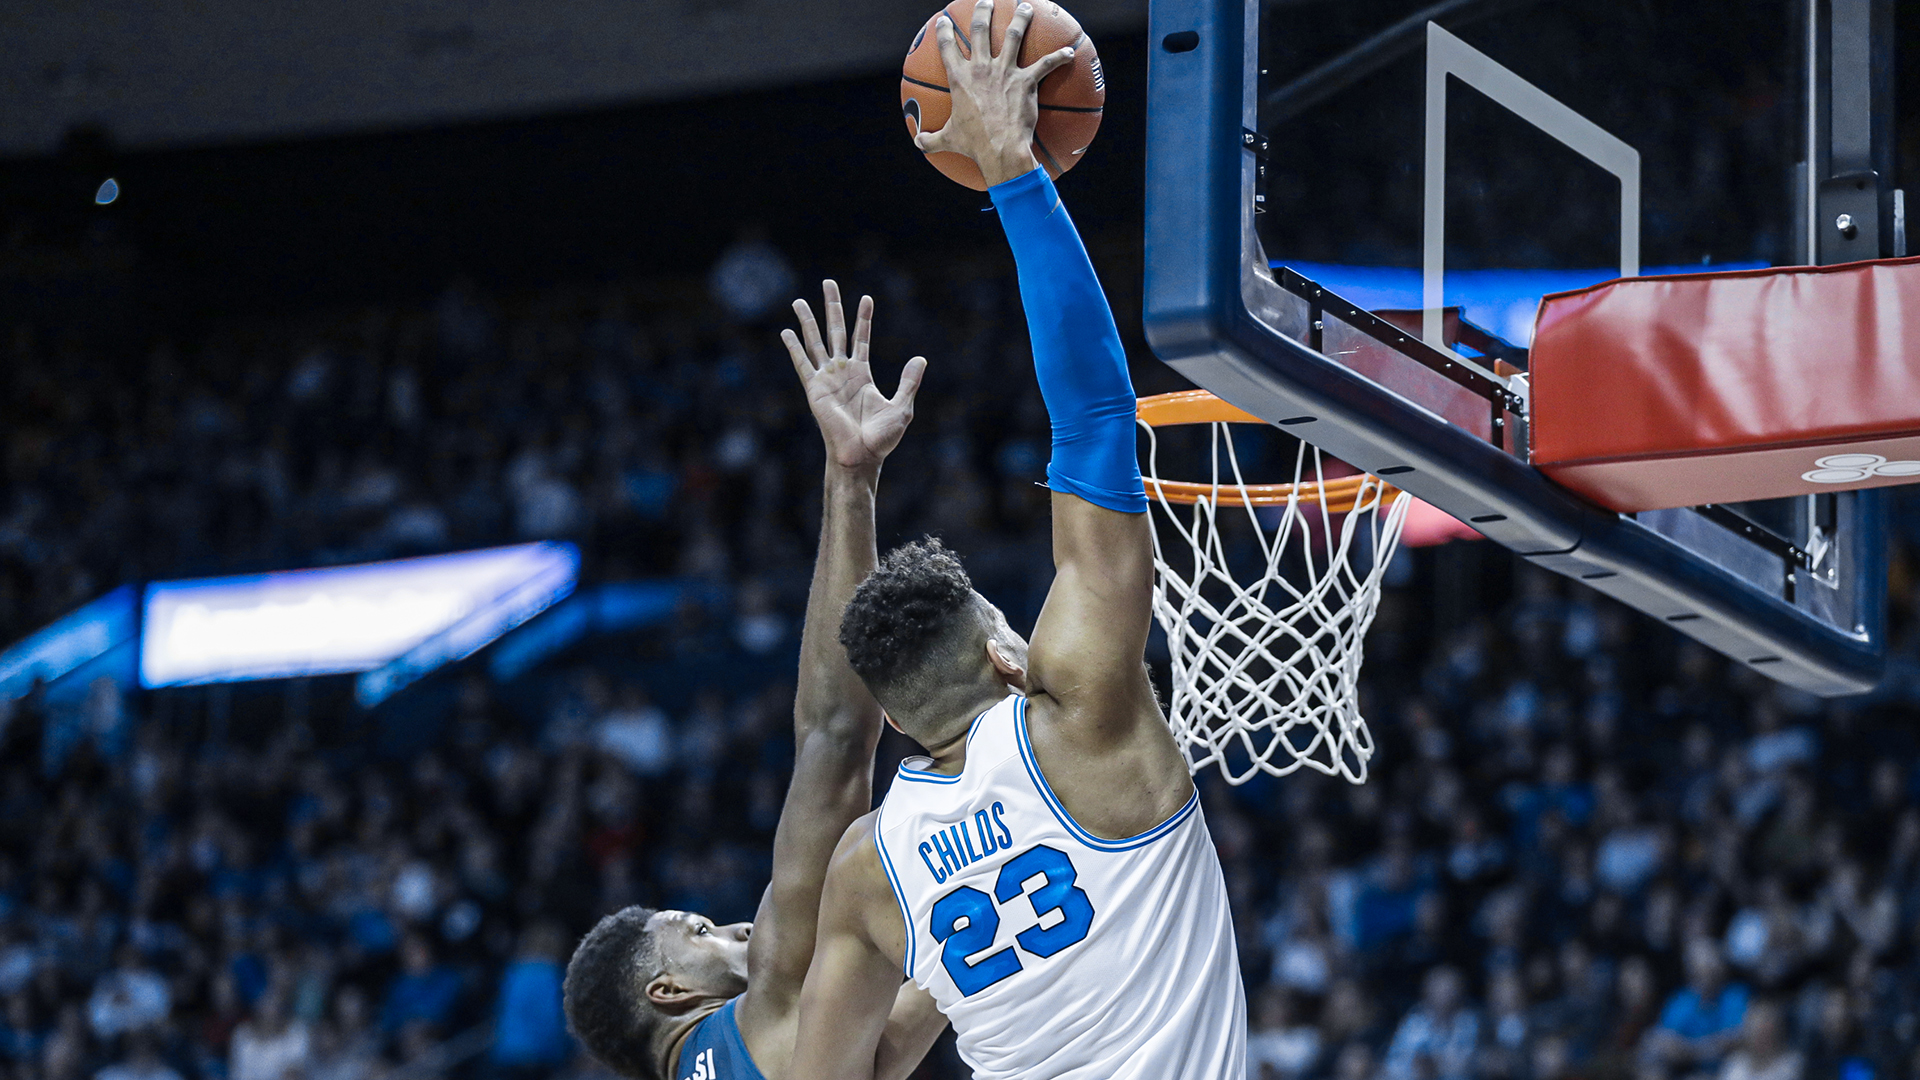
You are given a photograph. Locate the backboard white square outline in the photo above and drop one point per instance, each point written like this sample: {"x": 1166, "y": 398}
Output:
{"x": 1448, "y": 55}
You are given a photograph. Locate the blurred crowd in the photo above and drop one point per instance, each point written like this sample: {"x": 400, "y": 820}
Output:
{"x": 1589, "y": 850}
{"x": 1597, "y": 852}
{"x": 655, "y": 421}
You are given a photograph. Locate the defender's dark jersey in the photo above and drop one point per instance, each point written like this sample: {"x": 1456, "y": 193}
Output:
{"x": 715, "y": 1051}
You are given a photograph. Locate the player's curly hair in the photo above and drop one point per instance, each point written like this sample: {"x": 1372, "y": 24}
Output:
{"x": 605, "y": 993}
{"x": 906, "y": 618}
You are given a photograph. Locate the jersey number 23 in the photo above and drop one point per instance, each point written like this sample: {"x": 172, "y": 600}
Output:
{"x": 966, "y": 920}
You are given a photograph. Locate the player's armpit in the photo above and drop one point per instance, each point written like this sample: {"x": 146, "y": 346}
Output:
{"x": 913, "y": 1026}
{"x": 852, "y": 984}
{"x": 1097, "y": 732}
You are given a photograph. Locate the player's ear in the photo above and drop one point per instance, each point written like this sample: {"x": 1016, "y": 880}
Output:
{"x": 669, "y": 993}
{"x": 1010, "y": 667}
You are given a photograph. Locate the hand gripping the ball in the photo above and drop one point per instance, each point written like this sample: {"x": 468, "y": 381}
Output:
{"x": 996, "y": 102}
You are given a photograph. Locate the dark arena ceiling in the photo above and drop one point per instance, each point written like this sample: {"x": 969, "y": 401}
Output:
{"x": 218, "y": 71}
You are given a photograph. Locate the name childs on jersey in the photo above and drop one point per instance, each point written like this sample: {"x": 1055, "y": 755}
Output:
{"x": 960, "y": 845}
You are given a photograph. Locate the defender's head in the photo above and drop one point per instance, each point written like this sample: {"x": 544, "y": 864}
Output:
{"x": 928, "y": 646}
{"x": 638, "y": 971}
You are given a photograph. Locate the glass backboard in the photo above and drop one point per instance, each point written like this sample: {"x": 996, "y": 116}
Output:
{"x": 1353, "y": 212}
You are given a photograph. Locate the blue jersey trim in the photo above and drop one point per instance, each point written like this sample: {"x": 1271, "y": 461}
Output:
{"x": 1066, "y": 819}
{"x": 893, "y": 879}
{"x": 920, "y": 776}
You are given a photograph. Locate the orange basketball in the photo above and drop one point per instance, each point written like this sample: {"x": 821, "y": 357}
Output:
{"x": 1070, "y": 99}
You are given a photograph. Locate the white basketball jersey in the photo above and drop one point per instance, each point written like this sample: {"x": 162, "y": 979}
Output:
{"x": 1056, "y": 954}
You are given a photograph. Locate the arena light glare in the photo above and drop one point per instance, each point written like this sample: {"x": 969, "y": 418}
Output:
{"x": 69, "y": 645}
{"x": 336, "y": 620}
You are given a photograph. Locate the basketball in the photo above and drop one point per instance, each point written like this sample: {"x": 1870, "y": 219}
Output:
{"x": 1070, "y": 98}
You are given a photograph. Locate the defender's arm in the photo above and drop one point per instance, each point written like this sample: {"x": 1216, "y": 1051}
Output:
{"x": 836, "y": 721}
{"x": 853, "y": 984}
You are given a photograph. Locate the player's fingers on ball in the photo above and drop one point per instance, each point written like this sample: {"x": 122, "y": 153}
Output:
{"x": 943, "y": 36}
{"x": 802, "y": 365}
{"x": 910, "y": 377}
{"x": 931, "y": 142}
{"x": 1050, "y": 63}
{"x": 982, "y": 37}
{"x": 1016, "y": 33}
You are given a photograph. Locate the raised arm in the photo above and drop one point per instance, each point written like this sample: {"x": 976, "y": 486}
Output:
{"x": 1087, "y": 648}
{"x": 1089, "y": 642}
{"x": 836, "y": 722}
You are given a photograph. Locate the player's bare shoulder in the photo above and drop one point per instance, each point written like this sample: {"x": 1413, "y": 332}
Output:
{"x": 857, "y": 890}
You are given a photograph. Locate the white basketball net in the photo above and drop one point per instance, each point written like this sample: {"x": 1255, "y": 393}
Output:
{"x": 1271, "y": 666}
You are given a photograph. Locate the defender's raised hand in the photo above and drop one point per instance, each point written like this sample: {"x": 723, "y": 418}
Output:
{"x": 996, "y": 102}
{"x": 859, "y": 424}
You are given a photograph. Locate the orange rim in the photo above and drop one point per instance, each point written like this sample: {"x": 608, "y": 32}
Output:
{"x": 1341, "y": 495}
{"x": 1191, "y": 407}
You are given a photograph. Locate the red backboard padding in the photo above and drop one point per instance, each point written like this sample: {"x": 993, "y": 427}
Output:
{"x": 1657, "y": 392}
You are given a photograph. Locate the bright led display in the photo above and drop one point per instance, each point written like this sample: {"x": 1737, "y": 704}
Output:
{"x": 331, "y": 621}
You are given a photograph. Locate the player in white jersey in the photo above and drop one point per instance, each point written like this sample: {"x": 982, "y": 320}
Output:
{"x": 1045, "y": 872}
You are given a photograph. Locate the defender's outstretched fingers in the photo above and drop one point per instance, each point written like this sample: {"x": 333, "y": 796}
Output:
{"x": 910, "y": 377}
{"x": 1049, "y": 64}
{"x": 982, "y": 43}
{"x": 810, "y": 333}
{"x": 862, "y": 329}
{"x": 1016, "y": 34}
{"x": 836, "y": 318}
{"x": 802, "y": 364}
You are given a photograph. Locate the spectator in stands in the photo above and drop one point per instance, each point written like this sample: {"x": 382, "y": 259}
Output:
{"x": 425, "y": 991}
{"x": 529, "y": 1027}
{"x": 141, "y": 1063}
{"x": 128, "y": 998}
{"x": 1701, "y": 1021}
{"x": 344, "y": 1047}
{"x": 64, "y": 1054}
{"x": 271, "y": 1042}
{"x": 1440, "y": 1037}
{"x": 1509, "y": 1027}
{"x": 1833, "y": 1047}
{"x": 1763, "y": 1052}
{"x": 1279, "y": 1045}
{"x": 636, "y": 732}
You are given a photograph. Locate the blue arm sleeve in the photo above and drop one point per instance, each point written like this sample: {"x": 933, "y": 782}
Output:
{"x": 1076, "y": 349}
